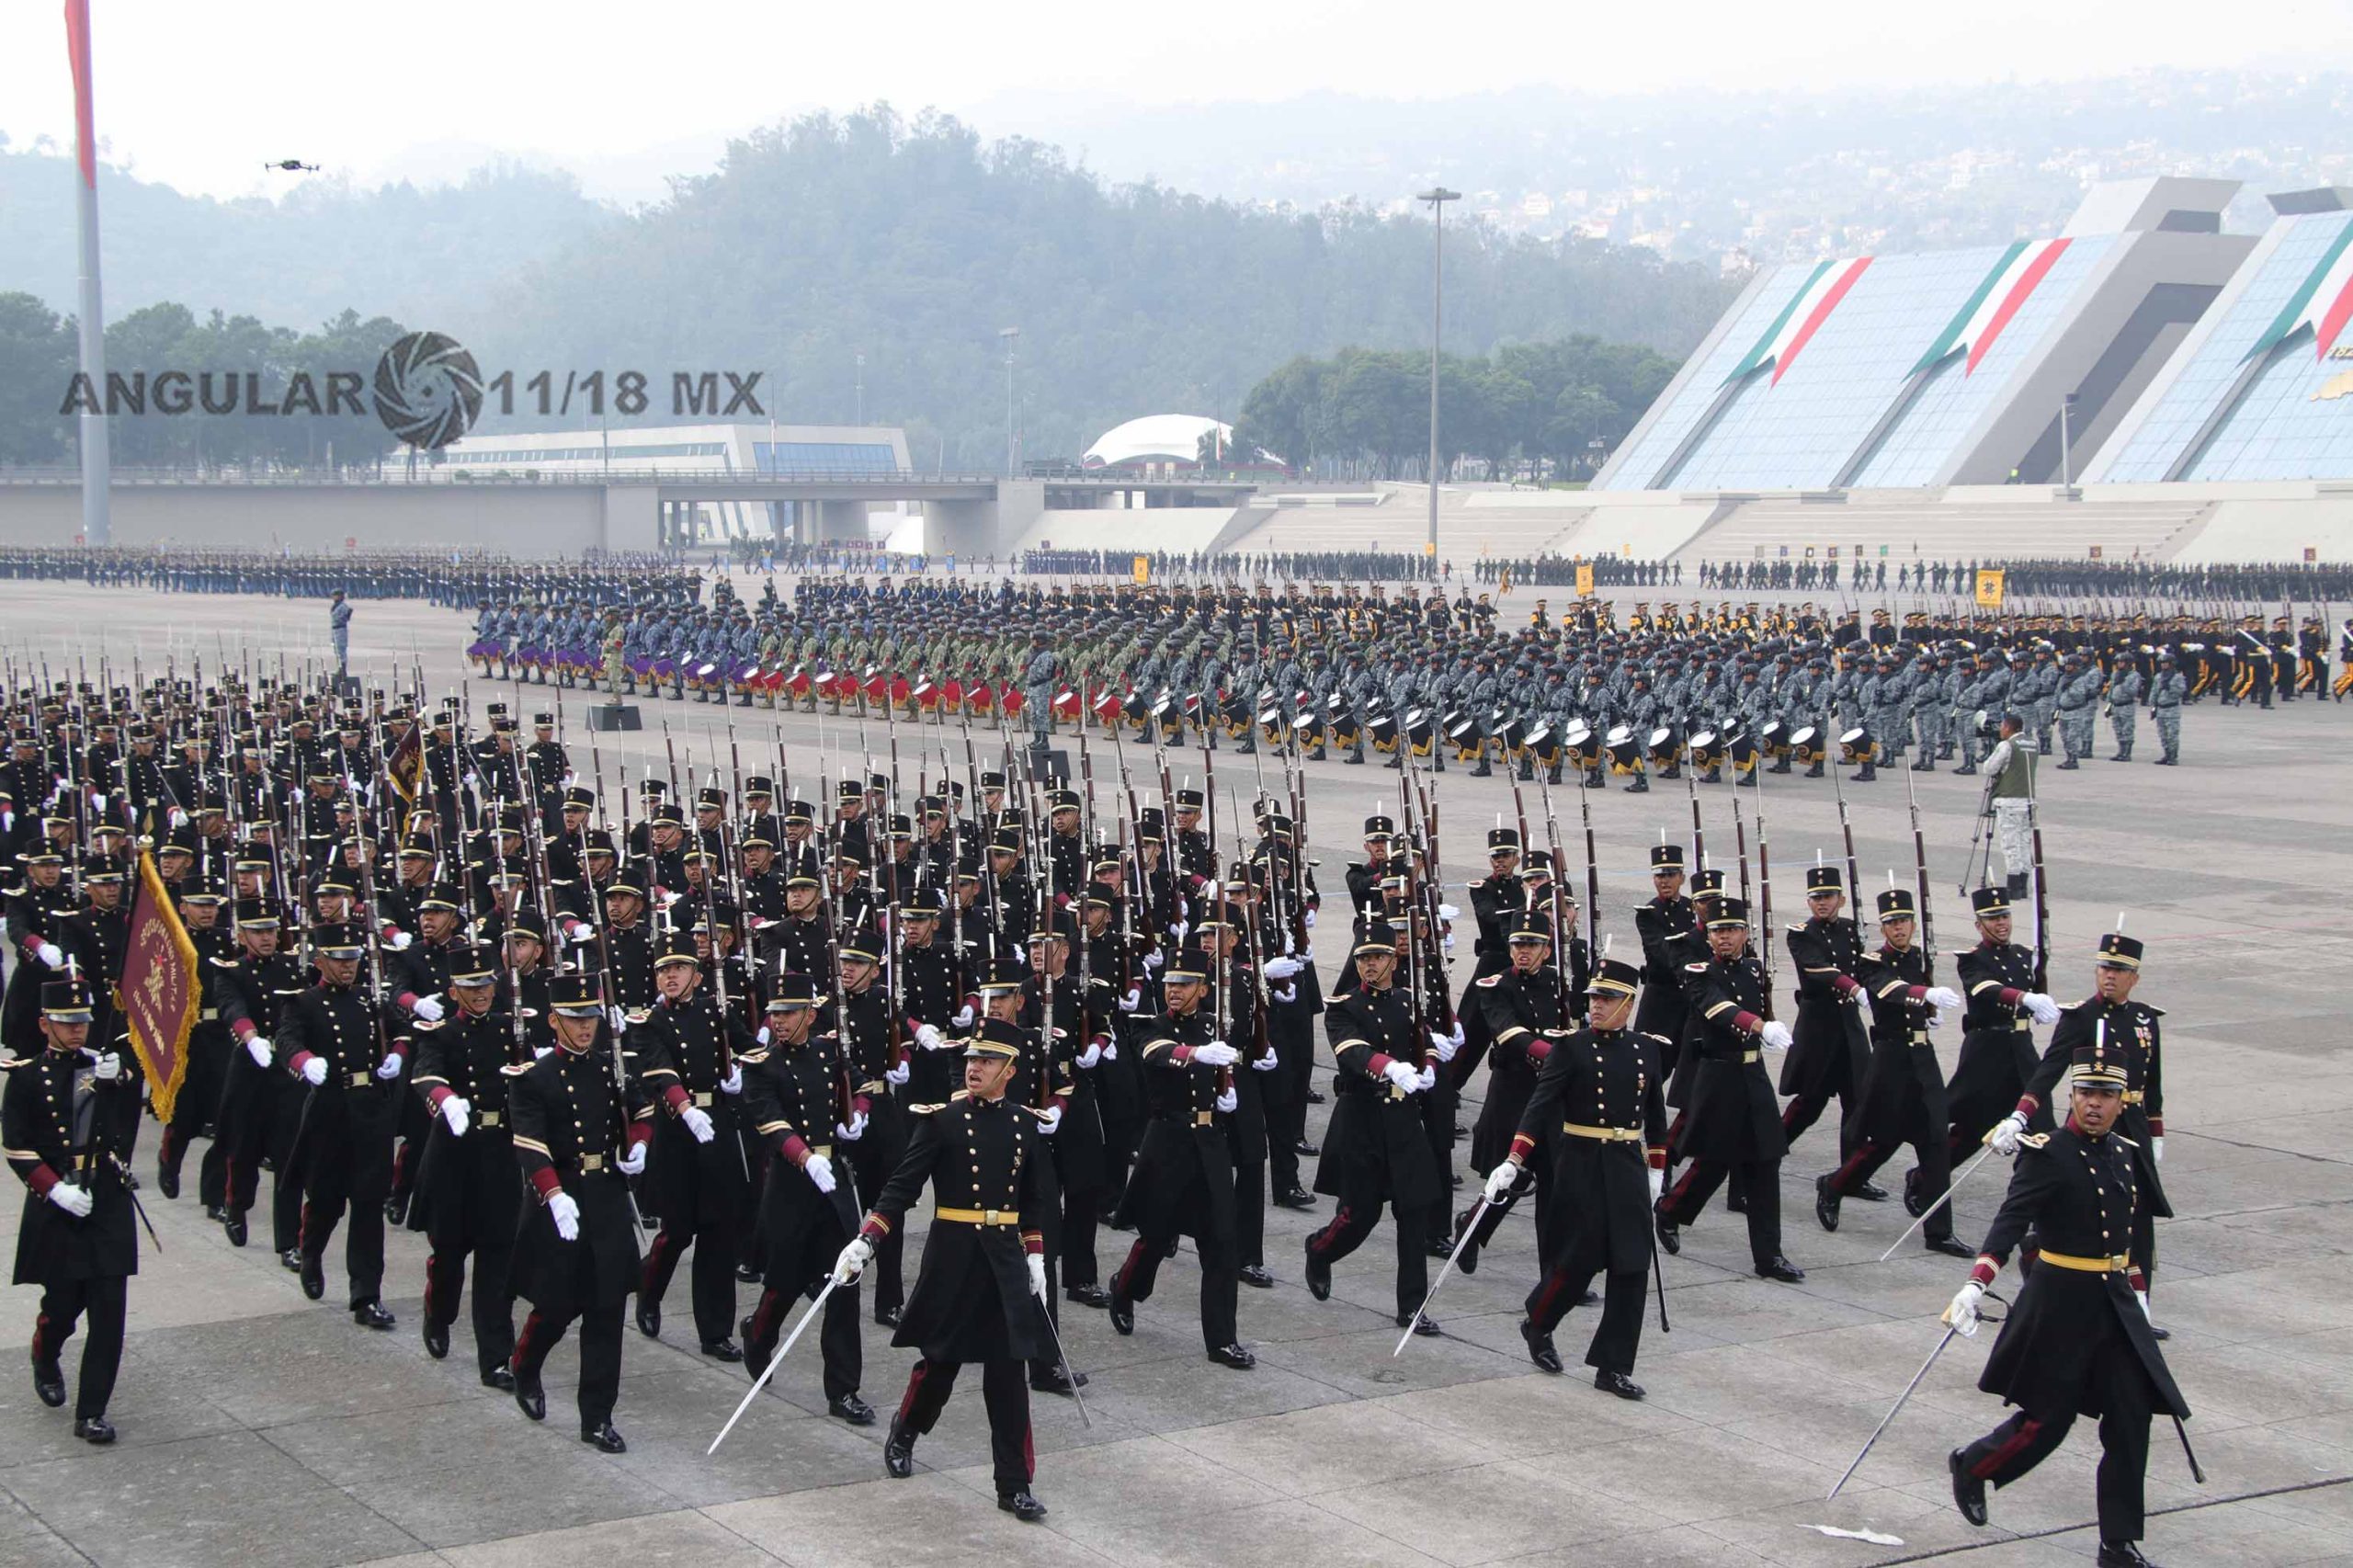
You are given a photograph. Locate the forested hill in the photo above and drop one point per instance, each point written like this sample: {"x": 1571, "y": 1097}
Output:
{"x": 910, "y": 242}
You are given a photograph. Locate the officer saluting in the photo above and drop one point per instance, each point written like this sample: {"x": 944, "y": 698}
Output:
{"x": 979, "y": 1293}
{"x": 577, "y": 1140}
{"x": 2078, "y": 1340}
{"x": 75, "y": 1239}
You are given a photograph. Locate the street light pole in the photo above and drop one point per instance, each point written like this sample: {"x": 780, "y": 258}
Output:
{"x": 1009, "y": 333}
{"x": 1438, "y": 195}
{"x": 861, "y": 389}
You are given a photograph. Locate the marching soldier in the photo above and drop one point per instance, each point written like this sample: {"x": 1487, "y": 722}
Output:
{"x": 1597, "y": 1105}
{"x": 1528, "y": 1008}
{"x": 1997, "y": 1033}
{"x": 577, "y": 1140}
{"x": 76, "y": 1238}
{"x": 794, "y": 1089}
{"x": 1184, "y": 1176}
{"x": 465, "y": 1066}
{"x": 980, "y": 1288}
{"x": 260, "y": 1110}
{"x": 1732, "y": 1129}
{"x": 1903, "y": 1090}
{"x": 1830, "y": 1046}
{"x": 2078, "y": 1341}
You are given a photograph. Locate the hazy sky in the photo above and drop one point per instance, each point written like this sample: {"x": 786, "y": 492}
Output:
{"x": 199, "y": 95}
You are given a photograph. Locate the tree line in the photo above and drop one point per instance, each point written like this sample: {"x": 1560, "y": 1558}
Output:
{"x": 1532, "y": 411}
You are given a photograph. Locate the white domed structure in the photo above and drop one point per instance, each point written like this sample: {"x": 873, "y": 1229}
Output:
{"x": 1156, "y": 438}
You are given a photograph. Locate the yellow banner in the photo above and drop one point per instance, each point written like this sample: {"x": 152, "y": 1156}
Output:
{"x": 1989, "y": 590}
{"x": 1143, "y": 569}
{"x": 1585, "y": 579}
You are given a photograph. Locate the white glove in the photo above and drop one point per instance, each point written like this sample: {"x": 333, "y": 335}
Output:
{"x": 1282, "y": 968}
{"x": 1216, "y": 1053}
{"x": 2006, "y": 1132}
{"x": 1658, "y": 1185}
{"x": 565, "y": 1210}
{"x": 853, "y": 1130}
{"x": 1943, "y": 997}
{"x": 398, "y": 942}
{"x": 963, "y": 1018}
{"x": 1091, "y": 1055}
{"x": 49, "y": 954}
{"x": 1427, "y": 1080}
{"x": 619, "y": 1020}
{"x": 930, "y": 1038}
{"x": 1935, "y": 1018}
{"x": 1775, "y": 1034}
{"x": 898, "y": 1074}
{"x": 1110, "y": 1051}
{"x": 1037, "y": 1261}
{"x": 1227, "y": 1099}
{"x": 583, "y": 933}
{"x": 2142, "y": 1297}
{"x": 178, "y": 817}
{"x": 1050, "y": 1120}
{"x": 733, "y": 1082}
{"x": 1963, "y": 1314}
{"x": 107, "y": 1068}
{"x": 1152, "y": 961}
{"x": 1501, "y": 1180}
{"x": 539, "y": 1051}
{"x": 853, "y": 1260}
{"x": 1307, "y": 917}
{"x": 2157, "y": 1149}
{"x": 458, "y": 1113}
{"x": 1443, "y": 1045}
{"x": 1285, "y": 993}
{"x": 1447, "y": 911}
{"x": 257, "y": 1047}
{"x": 1177, "y": 932}
{"x": 1403, "y": 1074}
{"x": 820, "y": 1172}
{"x": 389, "y": 1067}
{"x": 74, "y": 1199}
{"x": 1132, "y": 1000}
{"x": 698, "y": 1122}
{"x": 763, "y": 1037}
{"x": 1307, "y": 953}
{"x": 1446, "y": 942}
{"x": 632, "y": 1162}
{"x": 314, "y": 1071}
{"x": 2044, "y": 1010}
{"x": 1266, "y": 1063}
{"x": 428, "y": 1009}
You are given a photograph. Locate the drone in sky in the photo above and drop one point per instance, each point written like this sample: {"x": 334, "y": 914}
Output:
{"x": 293, "y": 165}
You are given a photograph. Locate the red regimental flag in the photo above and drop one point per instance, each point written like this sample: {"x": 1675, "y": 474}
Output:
{"x": 405, "y": 766}
{"x": 160, "y": 988}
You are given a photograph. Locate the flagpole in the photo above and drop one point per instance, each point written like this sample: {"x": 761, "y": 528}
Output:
{"x": 98, "y": 527}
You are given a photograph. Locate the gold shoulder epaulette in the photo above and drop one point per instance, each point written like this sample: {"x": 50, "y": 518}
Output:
{"x": 924, "y": 1109}
{"x": 1487, "y": 979}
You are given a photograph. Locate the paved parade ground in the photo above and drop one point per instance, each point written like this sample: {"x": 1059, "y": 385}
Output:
{"x": 259, "y": 1428}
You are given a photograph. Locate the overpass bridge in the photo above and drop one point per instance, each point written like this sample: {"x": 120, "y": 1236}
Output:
{"x": 620, "y": 509}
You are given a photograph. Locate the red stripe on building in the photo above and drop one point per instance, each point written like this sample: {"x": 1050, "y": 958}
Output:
{"x": 2012, "y": 301}
{"x": 1820, "y": 312}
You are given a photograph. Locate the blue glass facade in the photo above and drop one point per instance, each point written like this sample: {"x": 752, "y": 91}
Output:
{"x": 1802, "y": 431}
{"x": 824, "y": 456}
{"x": 2293, "y": 419}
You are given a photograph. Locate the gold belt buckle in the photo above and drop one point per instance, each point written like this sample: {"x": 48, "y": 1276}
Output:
{"x": 592, "y": 1162}
{"x": 1204, "y": 1118}
{"x": 357, "y": 1080}
{"x": 1748, "y": 1056}
{"x": 702, "y": 1097}
{"x": 489, "y": 1118}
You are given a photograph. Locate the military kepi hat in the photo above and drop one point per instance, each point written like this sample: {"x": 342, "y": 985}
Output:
{"x": 2118, "y": 951}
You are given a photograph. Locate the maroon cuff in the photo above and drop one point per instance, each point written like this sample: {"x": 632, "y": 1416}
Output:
{"x": 436, "y": 1095}
{"x": 676, "y": 1097}
{"x": 2012, "y": 996}
{"x": 407, "y": 999}
{"x": 862, "y": 1104}
{"x": 1747, "y": 1023}
{"x": 1984, "y": 1271}
{"x": 639, "y": 1133}
{"x": 295, "y": 1063}
{"x": 546, "y": 1182}
{"x": 1916, "y": 994}
{"x": 1539, "y": 1048}
{"x": 243, "y": 1028}
{"x": 796, "y": 1149}
{"x": 42, "y": 1180}
{"x": 1844, "y": 984}
{"x": 1378, "y": 1063}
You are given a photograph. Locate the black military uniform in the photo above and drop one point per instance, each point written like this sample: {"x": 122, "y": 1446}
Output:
{"x": 1376, "y": 1150}
{"x": 576, "y": 1139}
{"x": 76, "y": 1238}
{"x": 1904, "y": 1090}
{"x": 261, "y": 1108}
{"x": 339, "y": 1042}
{"x": 1997, "y": 1035}
{"x": 1525, "y": 1013}
{"x": 464, "y": 1066}
{"x": 867, "y": 1038}
{"x": 2078, "y": 1341}
{"x": 1733, "y": 1126}
{"x": 793, "y": 1094}
{"x": 1830, "y": 1044}
{"x": 974, "y": 1297}
{"x": 696, "y": 1178}
{"x": 1183, "y": 1182}
{"x": 1597, "y": 1103}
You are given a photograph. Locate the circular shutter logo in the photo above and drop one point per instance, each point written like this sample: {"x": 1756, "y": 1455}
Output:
{"x": 428, "y": 390}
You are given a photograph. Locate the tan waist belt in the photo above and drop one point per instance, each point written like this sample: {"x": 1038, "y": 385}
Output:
{"x": 210, "y": 1013}
{"x": 701, "y": 1097}
{"x": 360, "y": 1079}
{"x": 592, "y": 1162}
{"x": 2116, "y": 1265}
{"x": 489, "y": 1118}
{"x": 978, "y": 1216}
{"x": 1605, "y": 1134}
{"x": 2134, "y": 1097}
